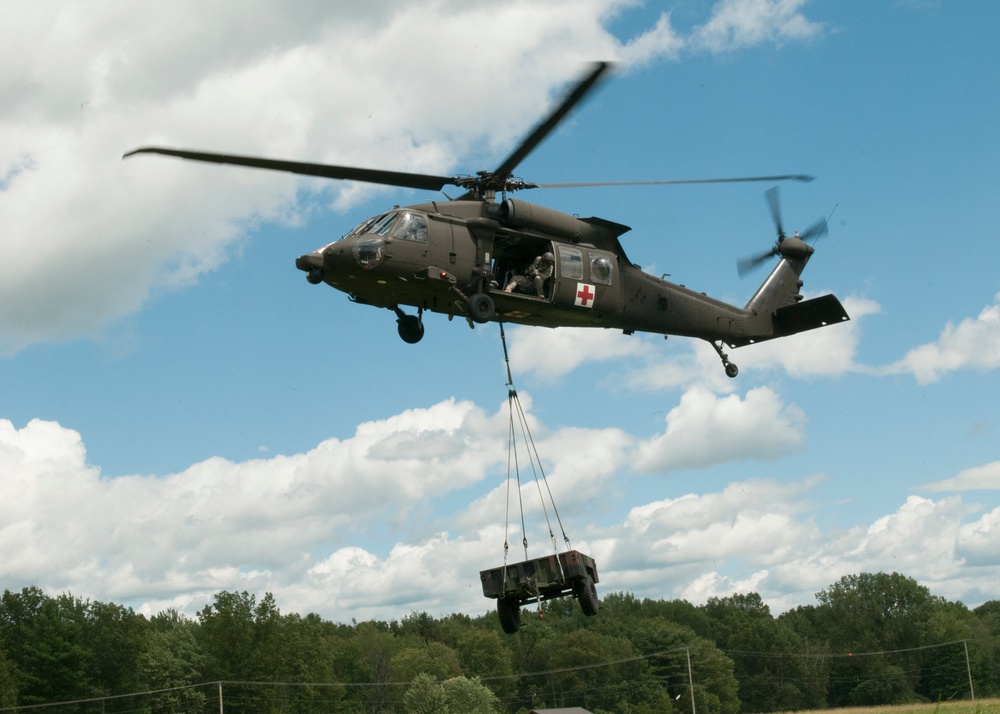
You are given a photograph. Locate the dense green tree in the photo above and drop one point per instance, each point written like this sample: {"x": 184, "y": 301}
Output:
{"x": 457, "y": 695}
{"x": 115, "y": 636}
{"x": 46, "y": 640}
{"x": 668, "y": 646}
{"x": 171, "y": 663}
{"x": 985, "y": 649}
{"x": 425, "y": 696}
{"x": 874, "y": 638}
{"x": 583, "y": 667}
{"x": 423, "y": 626}
{"x": 469, "y": 696}
{"x": 241, "y": 639}
{"x": 373, "y": 647}
{"x": 483, "y": 653}
{"x": 765, "y": 653}
{"x": 989, "y": 614}
{"x": 431, "y": 658}
{"x": 882, "y": 620}
{"x": 303, "y": 653}
{"x": 8, "y": 688}
{"x": 665, "y": 646}
{"x": 226, "y": 632}
{"x": 878, "y": 611}
{"x": 943, "y": 669}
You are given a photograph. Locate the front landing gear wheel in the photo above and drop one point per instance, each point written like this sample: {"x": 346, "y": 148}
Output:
{"x": 732, "y": 370}
{"x": 481, "y": 308}
{"x": 510, "y": 614}
{"x": 410, "y": 327}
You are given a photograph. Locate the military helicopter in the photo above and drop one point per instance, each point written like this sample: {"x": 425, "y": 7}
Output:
{"x": 508, "y": 260}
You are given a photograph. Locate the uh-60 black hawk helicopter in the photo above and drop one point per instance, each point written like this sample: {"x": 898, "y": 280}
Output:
{"x": 518, "y": 262}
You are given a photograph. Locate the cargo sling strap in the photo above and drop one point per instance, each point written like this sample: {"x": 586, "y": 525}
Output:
{"x": 513, "y": 461}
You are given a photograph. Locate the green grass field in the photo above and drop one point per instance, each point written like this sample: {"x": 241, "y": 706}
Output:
{"x": 980, "y": 706}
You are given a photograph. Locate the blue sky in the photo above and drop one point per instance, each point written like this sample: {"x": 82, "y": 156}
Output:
{"x": 180, "y": 412}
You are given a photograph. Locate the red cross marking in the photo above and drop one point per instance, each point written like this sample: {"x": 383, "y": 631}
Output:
{"x": 584, "y": 295}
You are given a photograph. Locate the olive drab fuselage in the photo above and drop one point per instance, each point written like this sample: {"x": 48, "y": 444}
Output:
{"x": 437, "y": 256}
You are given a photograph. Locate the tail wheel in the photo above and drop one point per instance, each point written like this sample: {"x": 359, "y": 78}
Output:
{"x": 731, "y": 369}
{"x": 481, "y": 308}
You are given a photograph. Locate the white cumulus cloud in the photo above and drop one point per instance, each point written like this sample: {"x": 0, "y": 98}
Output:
{"x": 974, "y": 343}
{"x": 736, "y": 24}
{"x": 706, "y": 429}
{"x": 985, "y": 477}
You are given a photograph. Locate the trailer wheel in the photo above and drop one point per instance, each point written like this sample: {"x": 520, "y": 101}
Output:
{"x": 510, "y": 614}
{"x": 586, "y": 593}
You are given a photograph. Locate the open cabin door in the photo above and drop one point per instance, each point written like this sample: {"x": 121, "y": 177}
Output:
{"x": 517, "y": 269}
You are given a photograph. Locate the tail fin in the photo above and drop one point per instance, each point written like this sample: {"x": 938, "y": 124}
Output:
{"x": 777, "y": 308}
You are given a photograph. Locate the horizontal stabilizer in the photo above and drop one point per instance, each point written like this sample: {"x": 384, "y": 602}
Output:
{"x": 808, "y": 315}
{"x": 802, "y": 316}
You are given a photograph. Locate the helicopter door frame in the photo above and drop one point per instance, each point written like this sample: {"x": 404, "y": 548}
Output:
{"x": 511, "y": 261}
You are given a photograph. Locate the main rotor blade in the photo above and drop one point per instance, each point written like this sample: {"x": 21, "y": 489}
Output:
{"x": 348, "y": 173}
{"x": 542, "y": 130}
{"x": 789, "y": 177}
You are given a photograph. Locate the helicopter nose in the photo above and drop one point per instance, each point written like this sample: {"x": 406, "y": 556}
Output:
{"x": 309, "y": 262}
{"x": 318, "y": 265}
{"x": 330, "y": 263}
{"x": 312, "y": 265}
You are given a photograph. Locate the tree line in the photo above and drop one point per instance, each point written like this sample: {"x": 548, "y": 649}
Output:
{"x": 870, "y": 639}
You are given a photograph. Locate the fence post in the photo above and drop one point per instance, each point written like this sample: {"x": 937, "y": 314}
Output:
{"x": 968, "y": 668}
{"x": 690, "y": 679}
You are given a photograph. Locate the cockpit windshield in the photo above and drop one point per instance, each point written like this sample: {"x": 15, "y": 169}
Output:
{"x": 402, "y": 225}
{"x": 378, "y": 225}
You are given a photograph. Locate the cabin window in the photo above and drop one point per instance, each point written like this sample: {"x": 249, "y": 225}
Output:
{"x": 571, "y": 262}
{"x": 412, "y": 227}
{"x": 600, "y": 269}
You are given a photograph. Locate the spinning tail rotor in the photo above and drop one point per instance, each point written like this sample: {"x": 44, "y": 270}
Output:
{"x": 784, "y": 247}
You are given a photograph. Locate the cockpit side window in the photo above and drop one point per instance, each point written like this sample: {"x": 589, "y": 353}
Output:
{"x": 412, "y": 227}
